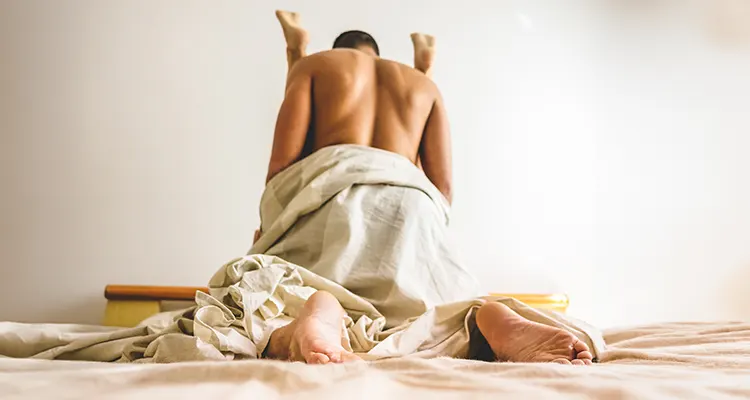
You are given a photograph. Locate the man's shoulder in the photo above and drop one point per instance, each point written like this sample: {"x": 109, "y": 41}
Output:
{"x": 334, "y": 54}
{"x": 413, "y": 75}
{"x": 337, "y": 58}
{"x": 327, "y": 60}
{"x": 399, "y": 66}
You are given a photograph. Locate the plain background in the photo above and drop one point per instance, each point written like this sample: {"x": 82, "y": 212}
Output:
{"x": 601, "y": 147}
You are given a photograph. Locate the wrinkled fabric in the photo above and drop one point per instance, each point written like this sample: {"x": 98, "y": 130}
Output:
{"x": 363, "y": 224}
{"x": 665, "y": 361}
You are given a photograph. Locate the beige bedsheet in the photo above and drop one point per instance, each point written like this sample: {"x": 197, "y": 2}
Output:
{"x": 252, "y": 296}
{"x": 682, "y": 361}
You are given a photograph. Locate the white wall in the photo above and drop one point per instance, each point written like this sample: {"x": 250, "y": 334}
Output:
{"x": 600, "y": 146}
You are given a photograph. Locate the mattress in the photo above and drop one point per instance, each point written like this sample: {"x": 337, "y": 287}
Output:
{"x": 679, "y": 360}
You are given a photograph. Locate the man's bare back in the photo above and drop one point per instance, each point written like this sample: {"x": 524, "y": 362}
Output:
{"x": 347, "y": 96}
{"x": 360, "y": 99}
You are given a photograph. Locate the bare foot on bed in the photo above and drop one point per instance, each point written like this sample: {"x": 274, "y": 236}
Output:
{"x": 317, "y": 340}
{"x": 424, "y": 52}
{"x": 514, "y": 338}
{"x": 315, "y": 336}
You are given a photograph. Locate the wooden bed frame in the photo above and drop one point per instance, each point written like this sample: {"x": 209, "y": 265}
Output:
{"x": 128, "y": 305}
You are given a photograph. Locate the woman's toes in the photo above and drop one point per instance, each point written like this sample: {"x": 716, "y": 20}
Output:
{"x": 580, "y": 347}
{"x": 317, "y": 358}
{"x": 585, "y": 355}
{"x": 335, "y": 357}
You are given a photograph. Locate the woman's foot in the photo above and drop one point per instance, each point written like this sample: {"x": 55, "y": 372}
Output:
{"x": 315, "y": 336}
{"x": 317, "y": 340}
{"x": 424, "y": 52}
{"x": 296, "y": 37}
{"x": 514, "y": 338}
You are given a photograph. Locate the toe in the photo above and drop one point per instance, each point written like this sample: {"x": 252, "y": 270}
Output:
{"x": 585, "y": 355}
{"x": 578, "y": 362}
{"x": 563, "y": 361}
{"x": 580, "y": 346}
{"x": 588, "y": 362}
{"x": 334, "y": 357}
{"x": 317, "y": 358}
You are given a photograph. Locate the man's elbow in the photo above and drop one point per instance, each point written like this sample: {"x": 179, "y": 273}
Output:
{"x": 442, "y": 183}
{"x": 448, "y": 196}
{"x": 447, "y": 190}
{"x": 274, "y": 169}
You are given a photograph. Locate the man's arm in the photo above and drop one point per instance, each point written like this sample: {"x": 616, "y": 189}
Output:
{"x": 435, "y": 150}
{"x": 293, "y": 120}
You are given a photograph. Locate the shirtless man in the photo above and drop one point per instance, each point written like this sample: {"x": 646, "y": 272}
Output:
{"x": 349, "y": 95}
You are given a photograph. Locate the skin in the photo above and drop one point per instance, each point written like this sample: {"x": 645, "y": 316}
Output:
{"x": 361, "y": 99}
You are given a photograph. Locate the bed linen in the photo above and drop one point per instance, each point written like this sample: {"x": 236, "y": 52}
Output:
{"x": 363, "y": 224}
{"x": 678, "y": 360}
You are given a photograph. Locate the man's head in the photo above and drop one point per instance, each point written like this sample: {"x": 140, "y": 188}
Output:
{"x": 357, "y": 40}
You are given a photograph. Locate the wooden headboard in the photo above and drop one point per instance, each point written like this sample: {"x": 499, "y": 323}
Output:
{"x": 159, "y": 293}
{"x": 127, "y": 305}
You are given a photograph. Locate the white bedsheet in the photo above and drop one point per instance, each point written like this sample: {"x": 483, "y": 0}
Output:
{"x": 684, "y": 361}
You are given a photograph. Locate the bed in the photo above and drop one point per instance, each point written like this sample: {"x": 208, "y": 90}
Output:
{"x": 688, "y": 360}
{"x": 672, "y": 360}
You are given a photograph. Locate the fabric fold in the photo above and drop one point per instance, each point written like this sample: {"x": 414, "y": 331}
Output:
{"x": 363, "y": 224}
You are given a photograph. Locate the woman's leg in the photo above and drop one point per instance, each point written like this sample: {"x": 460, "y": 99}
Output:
{"x": 296, "y": 37}
{"x": 424, "y": 52}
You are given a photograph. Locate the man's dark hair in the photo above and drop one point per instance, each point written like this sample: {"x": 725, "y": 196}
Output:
{"x": 354, "y": 39}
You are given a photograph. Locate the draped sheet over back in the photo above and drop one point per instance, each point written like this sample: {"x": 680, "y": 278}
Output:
{"x": 371, "y": 221}
{"x": 363, "y": 224}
